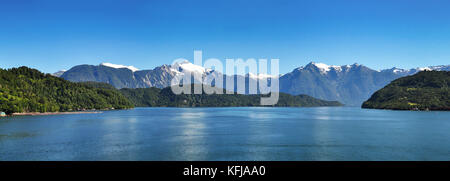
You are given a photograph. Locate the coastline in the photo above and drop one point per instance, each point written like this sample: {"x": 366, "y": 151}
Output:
{"x": 53, "y": 113}
{"x": 444, "y": 109}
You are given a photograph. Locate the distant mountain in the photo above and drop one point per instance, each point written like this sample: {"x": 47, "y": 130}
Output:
{"x": 405, "y": 72}
{"x": 427, "y": 90}
{"x": 125, "y": 77}
{"x": 349, "y": 84}
{"x": 129, "y": 77}
{"x": 132, "y": 68}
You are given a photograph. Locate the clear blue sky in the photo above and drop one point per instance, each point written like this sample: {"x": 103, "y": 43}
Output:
{"x": 51, "y": 35}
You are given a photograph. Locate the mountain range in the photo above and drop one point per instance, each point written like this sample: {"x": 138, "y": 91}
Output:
{"x": 349, "y": 84}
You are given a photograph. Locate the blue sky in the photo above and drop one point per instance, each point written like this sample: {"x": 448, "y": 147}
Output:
{"x": 51, "y": 35}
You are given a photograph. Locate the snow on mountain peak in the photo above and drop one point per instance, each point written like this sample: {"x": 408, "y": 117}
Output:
{"x": 326, "y": 68}
{"x": 188, "y": 66}
{"x": 424, "y": 68}
{"x": 418, "y": 69}
{"x": 261, "y": 76}
{"x": 322, "y": 66}
{"x": 398, "y": 70}
{"x": 132, "y": 68}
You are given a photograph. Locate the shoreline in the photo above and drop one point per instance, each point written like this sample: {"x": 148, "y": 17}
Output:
{"x": 53, "y": 113}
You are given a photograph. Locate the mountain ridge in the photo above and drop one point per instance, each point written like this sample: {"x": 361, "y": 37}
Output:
{"x": 349, "y": 84}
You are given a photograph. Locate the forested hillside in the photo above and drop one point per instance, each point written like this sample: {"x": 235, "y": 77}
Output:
{"x": 427, "y": 90}
{"x": 28, "y": 90}
{"x": 154, "y": 97}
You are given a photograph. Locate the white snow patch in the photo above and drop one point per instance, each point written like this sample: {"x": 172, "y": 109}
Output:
{"x": 326, "y": 68}
{"x": 188, "y": 66}
{"x": 336, "y": 68}
{"x": 261, "y": 76}
{"x": 132, "y": 68}
{"x": 397, "y": 70}
{"x": 424, "y": 68}
{"x": 322, "y": 66}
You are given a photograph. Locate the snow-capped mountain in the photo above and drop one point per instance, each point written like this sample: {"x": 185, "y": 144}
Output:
{"x": 189, "y": 67}
{"x": 405, "y": 72}
{"x": 440, "y": 67}
{"x": 349, "y": 84}
{"x": 121, "y": 76}
{"x": 324, "y": 68}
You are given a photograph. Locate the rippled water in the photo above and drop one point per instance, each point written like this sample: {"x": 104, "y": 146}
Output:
{"x": 324, "y": 133}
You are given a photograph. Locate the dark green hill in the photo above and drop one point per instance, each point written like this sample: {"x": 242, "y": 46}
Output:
{"x": 28, "y": 90}
{"x": 427, "y": 90}
{"x": 154, "y": 97}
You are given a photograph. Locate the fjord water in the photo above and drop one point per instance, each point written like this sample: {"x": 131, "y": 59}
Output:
{"x": 256, "y": 133}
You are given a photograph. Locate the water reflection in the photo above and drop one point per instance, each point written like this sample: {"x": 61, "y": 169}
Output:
{"x": 320, "y": 119}
{"x": 260, "y": 134}
{"x": 229, "y": 134}
{"x": 191, "y": 126}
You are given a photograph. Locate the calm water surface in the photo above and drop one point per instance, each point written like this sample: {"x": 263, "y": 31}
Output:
{"x": 325, "y": 133}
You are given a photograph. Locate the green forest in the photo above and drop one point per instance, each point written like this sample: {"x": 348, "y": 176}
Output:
{"x": 426, "y": 90}
{"x": 27, "y": 90}
{"x": 154, "y": 97}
